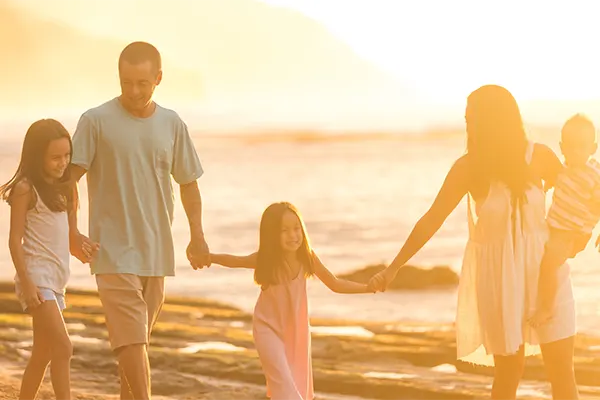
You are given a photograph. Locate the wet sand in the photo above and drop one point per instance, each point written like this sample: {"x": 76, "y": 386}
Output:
{"x": 204, "y": 350}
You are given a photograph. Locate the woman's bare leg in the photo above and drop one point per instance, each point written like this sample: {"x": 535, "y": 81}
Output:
{"x": 508, "y": 371}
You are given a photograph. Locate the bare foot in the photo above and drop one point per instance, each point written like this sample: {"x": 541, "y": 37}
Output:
{"x": 541, "y": 317}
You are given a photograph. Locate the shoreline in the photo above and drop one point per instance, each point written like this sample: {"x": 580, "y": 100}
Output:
{"x": 203, "y": 349}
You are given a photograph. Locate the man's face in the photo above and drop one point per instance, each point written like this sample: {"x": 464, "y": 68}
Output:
{"x": 138, "y": 82}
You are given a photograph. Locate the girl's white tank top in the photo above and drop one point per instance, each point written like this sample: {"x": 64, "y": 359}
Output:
{"x": 46, "y": 247}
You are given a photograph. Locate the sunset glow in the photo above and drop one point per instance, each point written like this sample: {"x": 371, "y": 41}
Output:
{"x": 437, "y": 52}
{"x": 448, "y": 48}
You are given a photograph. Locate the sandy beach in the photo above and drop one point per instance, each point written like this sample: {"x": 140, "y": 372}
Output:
{"x": 202, "y": 349}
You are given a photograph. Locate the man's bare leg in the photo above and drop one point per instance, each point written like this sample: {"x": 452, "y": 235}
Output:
{"x": 125, "y": 390}
{"x": 135, "y": 366}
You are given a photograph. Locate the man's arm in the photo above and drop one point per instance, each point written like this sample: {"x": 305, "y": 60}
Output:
{"x": 198, "y": 252}
{"x": 192, "y": 204}
{"x": 186, "y": 170}
{"x": 85, "y": 139}
{"x": 76, "y": 173}
{"x": 80, "y": 246}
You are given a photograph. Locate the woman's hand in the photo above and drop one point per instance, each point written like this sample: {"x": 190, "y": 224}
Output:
{"x": 380, "y": 281}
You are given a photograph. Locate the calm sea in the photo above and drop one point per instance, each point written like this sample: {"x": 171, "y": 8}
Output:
{"x": 359, "y": 200}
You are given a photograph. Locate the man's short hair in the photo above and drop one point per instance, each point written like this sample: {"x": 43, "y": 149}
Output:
{"x": 139, "y": 52}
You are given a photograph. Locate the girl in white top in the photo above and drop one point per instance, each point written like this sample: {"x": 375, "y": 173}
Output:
{"x": 41, "y": 195}
{"x": 502, "y": 175}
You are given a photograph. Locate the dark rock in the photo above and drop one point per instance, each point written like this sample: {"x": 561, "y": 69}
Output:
{"x": 409, "y": 277}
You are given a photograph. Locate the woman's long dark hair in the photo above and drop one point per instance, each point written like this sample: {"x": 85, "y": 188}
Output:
{"x": 496, "y": 140}
{"x": 58, "y": 196}
{"x": 270, "y": 255}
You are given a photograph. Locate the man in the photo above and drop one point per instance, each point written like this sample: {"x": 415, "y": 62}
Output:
{"x": 130, "y": 147}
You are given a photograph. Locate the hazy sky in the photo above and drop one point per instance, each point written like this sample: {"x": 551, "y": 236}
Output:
{"x": 540, "y": 50}
{"x": 440, "y": 50}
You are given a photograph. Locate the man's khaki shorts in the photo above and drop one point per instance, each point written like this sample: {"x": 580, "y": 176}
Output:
{"x": 131, "y": 306}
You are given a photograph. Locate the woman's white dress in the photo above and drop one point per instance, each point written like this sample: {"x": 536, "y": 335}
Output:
{"x": 499, "y": 278}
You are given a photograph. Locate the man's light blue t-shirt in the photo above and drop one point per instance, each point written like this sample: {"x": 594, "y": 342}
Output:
{"x": 129, "y": 163}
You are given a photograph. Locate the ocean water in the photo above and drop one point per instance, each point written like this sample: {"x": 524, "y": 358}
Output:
{"x": 359, "y": 199}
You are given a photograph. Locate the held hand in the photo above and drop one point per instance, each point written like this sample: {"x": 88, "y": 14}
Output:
{"x": 82, "y": 248}
{"x": 90, "y": 248}
{"x": 198, "y": 253}
{"x": 377, "y": 282}
{"x": 382, "y": 280}
{"x": 371, "y": 286}
{"x": 32, "y": 295}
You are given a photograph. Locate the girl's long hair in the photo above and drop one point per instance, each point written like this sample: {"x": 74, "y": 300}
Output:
{"x": 496, "y": 140}
{"x": 270, "y": 254}
{"x": 58, "y": 196}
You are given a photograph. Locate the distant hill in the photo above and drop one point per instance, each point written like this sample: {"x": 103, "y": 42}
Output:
{"x": 46, "y": 64}
{"x": 216, "y": 52}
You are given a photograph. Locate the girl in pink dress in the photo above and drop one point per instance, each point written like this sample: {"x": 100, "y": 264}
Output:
{"x": 281, "y": 327}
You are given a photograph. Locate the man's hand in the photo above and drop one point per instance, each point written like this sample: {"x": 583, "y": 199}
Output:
{"x": 82, "y": 248}
{"x": 198, "y": 253}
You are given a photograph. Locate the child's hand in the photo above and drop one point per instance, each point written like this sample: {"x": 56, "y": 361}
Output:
{"x": 90, "y": 248}
{"x": 377, "y": 282}
{"x": 82, "y": 248}
{"x": 380, "y": 281}
{"x": 32, "y": 295}
{"x": 371, "y": 287}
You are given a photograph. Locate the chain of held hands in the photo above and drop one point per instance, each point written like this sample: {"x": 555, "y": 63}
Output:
{"x": 84, "y": 249}
{"x": 198, "y": 254}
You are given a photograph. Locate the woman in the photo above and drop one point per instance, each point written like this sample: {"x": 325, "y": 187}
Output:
{"x": 502, "y": 174}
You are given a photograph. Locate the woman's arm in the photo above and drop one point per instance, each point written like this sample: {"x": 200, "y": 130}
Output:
{"x": 548, "y": 163}
{"x": 231, "y": 261}
{"x": 335, "y": 284}
{"x": 455, "y": 186}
